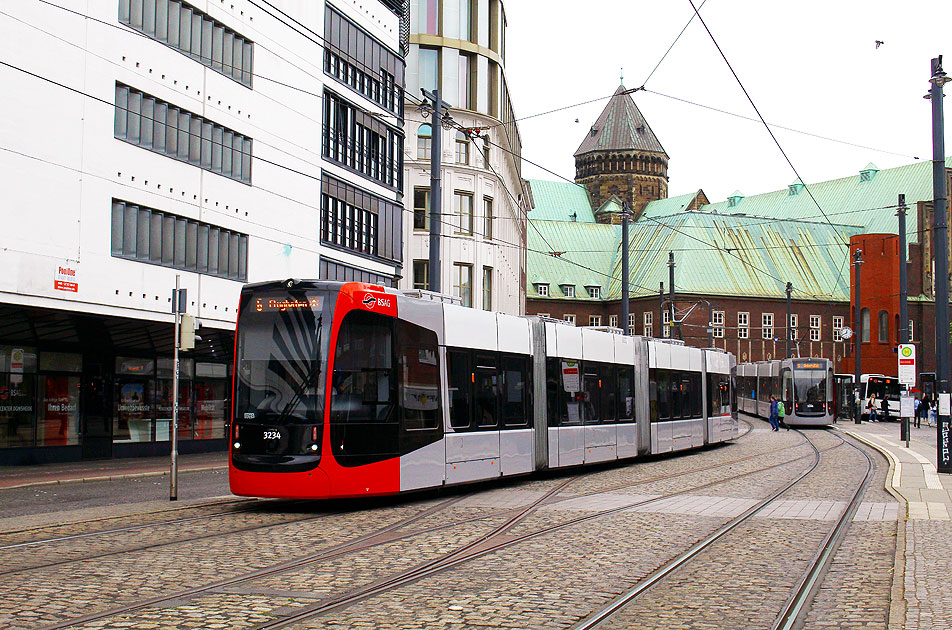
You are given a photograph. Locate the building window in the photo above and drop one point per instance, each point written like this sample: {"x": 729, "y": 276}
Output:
{"x": 487, "y": 288}
{"x": 150, "y": 123}
{"x": 864, "y": 325}
{"x": 467, "y": 30}
{"x": 570, "y": 318}
{"x": 717, "y": 320}
{"x": 463, "y": 287}
{"x": 486, "y": 146}
{"x": 794, "y": 322}
{"x": 666, "y": 324}
{"x": 467, "y": 82}
{"x": 421, "y": 275}
{"x": 190, "y": 31}
{"x": 362, "y": 63}
{"x": 837, "y": 328}
{"x": 160, "y": 238}
{"x": 462, "y": 148}
{"x": 488, "y": 218}
{"x": 362, "y": 142}
{"x": 424, "y": 142}
{"x": 594, "y": 320}
{"x": 767, "y": 325}
{"x": 613, "y": 321}
{"x": 910, "y": 331}
{"x": 883, "y": 327}
{"x": 815, "y": 327}
{"x": 542, "y": 289}
{"x": 542, "y": 314}
{"x": 594, "y": 292}
{"x": 464, "y": 211}
{"x": 356, "y": 220}
{"x": 492, "y": 87}
{"x": 429, "y": 68}
{"x": 429, "y": 17}
{"x": 568, "y": 290}
{"x": 421, "y": 208}
{"x": 647, "y": 319}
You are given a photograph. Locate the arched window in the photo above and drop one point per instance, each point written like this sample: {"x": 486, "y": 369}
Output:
{"x": 424, "y": 142}
{"x": 883, "y": 327}
{"x": 864, "y": 324}
{"x": 462, "y": 148}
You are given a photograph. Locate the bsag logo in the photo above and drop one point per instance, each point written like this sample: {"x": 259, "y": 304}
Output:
{"x": 369, "y": 301}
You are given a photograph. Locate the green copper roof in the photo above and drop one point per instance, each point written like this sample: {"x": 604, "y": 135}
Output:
{"x": 557, "y": 201}
{"x": 671, "y": 205}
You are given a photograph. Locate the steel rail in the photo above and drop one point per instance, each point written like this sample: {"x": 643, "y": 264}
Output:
{"x": 471, "y": 552}
{"x": 797, "y": 605}
{"x": 607, "y": 611}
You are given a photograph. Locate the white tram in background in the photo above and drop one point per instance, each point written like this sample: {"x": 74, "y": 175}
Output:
{"x": 352, "y": 389}
{"x": 804, "y": 386}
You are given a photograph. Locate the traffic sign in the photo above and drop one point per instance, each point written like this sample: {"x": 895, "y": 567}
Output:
{"x": 907, "y": 364}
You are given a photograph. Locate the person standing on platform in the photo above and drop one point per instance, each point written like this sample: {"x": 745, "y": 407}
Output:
{"x": 871, "y": 407}
{"x": 884, "y": 406}
{"x": 774, "y": 414}
{"x": 781, "y": 412}
{"x": 917, "y": 411}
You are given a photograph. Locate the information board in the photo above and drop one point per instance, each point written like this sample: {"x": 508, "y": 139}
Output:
{"x": 907, "y": 364}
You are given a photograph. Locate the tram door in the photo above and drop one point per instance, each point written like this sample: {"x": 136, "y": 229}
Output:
{"x": 786, "y": 392}
{"x": 96, "y": 412}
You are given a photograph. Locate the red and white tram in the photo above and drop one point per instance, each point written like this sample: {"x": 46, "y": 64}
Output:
{"x": 345, "y": 390}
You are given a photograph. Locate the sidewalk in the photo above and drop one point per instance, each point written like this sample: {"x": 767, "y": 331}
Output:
{"x": 104, "y": 470}
{"x": 924, "y": 544}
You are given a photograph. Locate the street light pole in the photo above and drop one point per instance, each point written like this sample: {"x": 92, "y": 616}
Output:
{"x": 940, "y": 242}
{"x": 789, "y": 327}
{"x": 625, "y": 214}
{"x": 436, "y": 196}
{"x": 903, "y": 331}
{"x": 858, "y": 336}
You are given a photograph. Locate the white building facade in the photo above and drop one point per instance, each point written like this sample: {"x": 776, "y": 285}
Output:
{"x": 223, "y": 142}
{"x": 458, "y": 47}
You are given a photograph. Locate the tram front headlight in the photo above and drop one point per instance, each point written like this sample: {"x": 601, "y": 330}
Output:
{"x": 237, "y": 445}
{"x": 314, "y": 447}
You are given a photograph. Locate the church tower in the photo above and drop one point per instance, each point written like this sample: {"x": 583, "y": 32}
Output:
{"x": 621, "y": 157}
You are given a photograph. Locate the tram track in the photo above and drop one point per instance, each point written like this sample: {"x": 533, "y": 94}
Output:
{"x": 259, "y": 505}
{"x": 485, "y": 544}
{"x": 797, "y": 605}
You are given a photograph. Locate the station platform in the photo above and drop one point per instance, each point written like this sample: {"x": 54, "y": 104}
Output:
{"x": 105, "y": 470}
{"x": 924, "y": 538}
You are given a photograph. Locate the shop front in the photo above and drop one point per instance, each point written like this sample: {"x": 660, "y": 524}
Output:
{"x": 66, "y": 396}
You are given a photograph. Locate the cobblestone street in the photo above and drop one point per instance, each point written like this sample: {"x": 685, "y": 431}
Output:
{"x": 596, "y": 534}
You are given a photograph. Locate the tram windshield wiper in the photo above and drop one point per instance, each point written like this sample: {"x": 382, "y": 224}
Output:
{"x": 312, "y": 373}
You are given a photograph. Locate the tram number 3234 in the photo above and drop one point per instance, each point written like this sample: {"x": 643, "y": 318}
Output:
{"x": 272, "y": 435}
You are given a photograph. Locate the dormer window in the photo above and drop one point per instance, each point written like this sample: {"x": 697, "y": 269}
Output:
{"x": 542, "y": 289}
{"x": 868, "y": 173}
{"x": 734, "y": 200}
{"x": 568, "y": 290}
{"x": 594, "y": 292}
{"x": 794, "y": 188}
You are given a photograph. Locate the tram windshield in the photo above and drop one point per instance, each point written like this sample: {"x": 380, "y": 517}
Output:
{"x": 810, "y": 385}
{"x": 884, "y": 387}
{"x": 280, "y": 356}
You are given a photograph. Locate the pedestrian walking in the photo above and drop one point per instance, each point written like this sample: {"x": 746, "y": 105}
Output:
{"x": 932, "y": 412}
{"x": 917, "y": 412}
{"x": 871, "y": 407}
{"x": 884, "y": 407}
{"x": 781, "y": 412}
{"x": 774, "y": 414}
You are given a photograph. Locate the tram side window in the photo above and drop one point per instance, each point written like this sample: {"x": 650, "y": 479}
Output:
{"x": 461, "y": 388}
{"x": 696, "y": 397}
{"x": 675, "y": 387}
{"x": 515, "y": 386}
{"x": 718, "y": 394}
{"x": 418, "y": 359}
{"x": 609, "y": 394}
{"x": 592, "y": 393}
{"x": 664, "y": 395}
{"x": 625, "y": 396}
{"x": 364, "y": 425}
{"x": 487, "y": 391}
{"x": 553, "y": 387}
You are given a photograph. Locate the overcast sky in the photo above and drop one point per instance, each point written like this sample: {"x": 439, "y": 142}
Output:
{"x": 807, "y": 64}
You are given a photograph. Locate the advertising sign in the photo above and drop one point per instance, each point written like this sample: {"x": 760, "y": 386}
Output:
{"x": 906, "y": 407}
{"x": 66, "y": 279}
{"x": 907, "y": 364}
